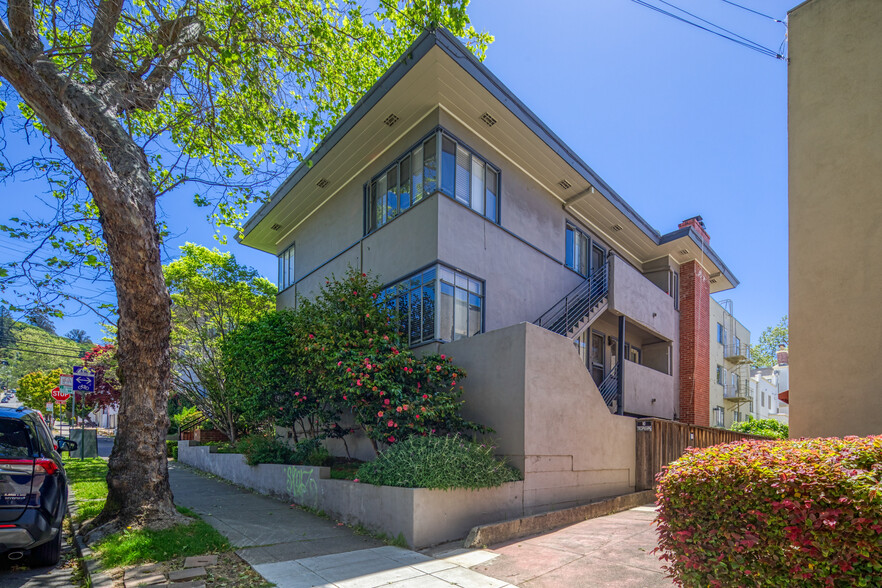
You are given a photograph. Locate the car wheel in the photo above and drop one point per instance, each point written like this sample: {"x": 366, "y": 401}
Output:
{"x": 48, "y": 553}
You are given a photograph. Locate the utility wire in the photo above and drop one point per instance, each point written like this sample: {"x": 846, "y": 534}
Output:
{"x": 42, "y": 352}
{"x": 750, "y": 45}
{"x": 753, "y": 11}
{"x": 725, "y": 30}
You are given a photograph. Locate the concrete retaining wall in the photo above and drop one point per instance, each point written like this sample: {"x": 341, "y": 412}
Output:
{"x": 423, "y": 517}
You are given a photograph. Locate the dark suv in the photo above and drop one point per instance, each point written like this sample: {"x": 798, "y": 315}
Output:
{"x": 33, "y": 487}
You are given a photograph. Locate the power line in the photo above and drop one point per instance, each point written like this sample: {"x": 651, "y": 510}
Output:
{"x": 41, "y": 352}
{"x": 725, "y": 30}
{"x": 753, "y": 11}
{"x": 749, "y": 44}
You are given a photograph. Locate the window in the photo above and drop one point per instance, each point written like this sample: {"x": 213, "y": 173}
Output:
{"x": 437, "y": 304}
{"x": 675, "y": 291}
{"x": 464, "y": 176}
{"x": 737, "y": 417}
{"x": 721, "y": 375}
{"x": 721, "y": 333}
{"x": 719, "y": 417}
{"x": 581, "y": 254}
{"x": 632, "y": 353}
{"x": 286, "y": 268}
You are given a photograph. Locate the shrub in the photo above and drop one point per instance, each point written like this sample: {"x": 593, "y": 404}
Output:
{"x": 438, "y": 462}
{"x": 774, "y": 513}
{"x": 764, "y": 427}
{"x": 259, "y": 448}
{"x": 311, "y": 452}
{"x": 171, "y": 449}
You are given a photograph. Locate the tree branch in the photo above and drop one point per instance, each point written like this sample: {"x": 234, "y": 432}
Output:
{"x": 106, "y": 17}
{"x": 24, "y": 28}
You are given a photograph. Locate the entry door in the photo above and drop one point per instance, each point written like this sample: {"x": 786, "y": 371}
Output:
{"x": 598, "y": 364}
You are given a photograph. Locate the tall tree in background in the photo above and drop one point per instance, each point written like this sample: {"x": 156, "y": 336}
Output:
{"x": 764, "y": 353}
{"x": 41, "y": 320}
{"x": 212, "y": 296}
{"x": 141, "y": 97}
{"x": 78, "y": 336}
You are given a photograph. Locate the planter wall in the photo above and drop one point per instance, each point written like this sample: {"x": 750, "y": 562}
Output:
{"x": 423, "y": 517}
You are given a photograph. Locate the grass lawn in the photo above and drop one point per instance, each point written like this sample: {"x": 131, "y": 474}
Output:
{"x": 87, "y": 481}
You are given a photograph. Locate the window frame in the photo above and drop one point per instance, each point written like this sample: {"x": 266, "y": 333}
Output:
{"x": 440, "y": 135}
{"x": 573, "y": 253}
{"x": 285, "y": 278}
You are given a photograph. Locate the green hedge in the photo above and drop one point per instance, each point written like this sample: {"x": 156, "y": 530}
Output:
{"x": 774, "y": 513}
{"x": 259, "y": 448}
{"x": 438, "y": 462}
{"x": 171, "y": 449}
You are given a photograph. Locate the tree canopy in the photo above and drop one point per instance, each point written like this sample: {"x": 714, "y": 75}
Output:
{"x": 764, "y": 353}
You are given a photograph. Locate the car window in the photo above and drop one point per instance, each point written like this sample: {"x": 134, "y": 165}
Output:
{"x": 15, "y": 441}
{"x": 45, "y": 437}
{"x": 38, "y": 440}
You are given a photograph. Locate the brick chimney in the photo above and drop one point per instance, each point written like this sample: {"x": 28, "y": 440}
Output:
{"x": 782, "y": 355}
{"x": 694, "y": 344}
{"x": 696, "y": 223}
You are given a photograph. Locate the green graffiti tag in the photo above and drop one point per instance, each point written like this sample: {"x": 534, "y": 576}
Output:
{"x": 302, "y": 486}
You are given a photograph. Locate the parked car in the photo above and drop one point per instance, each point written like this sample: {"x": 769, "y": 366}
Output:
{"x": 33, "y": 487}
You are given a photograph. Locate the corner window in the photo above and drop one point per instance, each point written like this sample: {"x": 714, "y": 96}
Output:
{"x": 437, "y": 304}
{"x": 464, "y": 176}
{"x": 286, "y": 268}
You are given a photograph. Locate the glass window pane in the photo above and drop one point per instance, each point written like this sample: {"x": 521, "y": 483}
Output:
{"x": 429, "y": 311}
{"x": 474, "y": 314}
{"x": 461, "y": 281}
{"x": 403, "y": 313}
{"x": 430, "y": 166}
{"x": 577, "y": 250}
{"x": 417, "y": 174}
{"x": 477, "y": 185}
{"x": 381, "y": 200}
{"x": 474, "y": 286}
{"x": 446, "y": 275}
{"x": 570, "y": 244}
{"x": 597, "y": 256}
{"x": 491, "y": 189}
{"x": 463, "y": 182}
{"x": 415, "y": 325}
{"x": 429, "y": 276}
{"x": 404, "y": 186}
{"x": 446, "y": 311}
{"x": 392, "y": 193}
{"x": 448, "y": 165}
{"x": 460, "y": 315}
{"x": 281, "y": 278}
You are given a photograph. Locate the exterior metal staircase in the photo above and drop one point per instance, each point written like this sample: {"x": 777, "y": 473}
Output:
{"x": 609, "y": 390}
{"x": 575, "y": 312}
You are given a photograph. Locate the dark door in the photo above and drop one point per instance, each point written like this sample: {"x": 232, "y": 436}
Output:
{"x": 597, "y": 357}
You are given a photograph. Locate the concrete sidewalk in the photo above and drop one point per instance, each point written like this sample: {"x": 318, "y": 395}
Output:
{"x": 293, "y": 548}
{"x": 610, "y": 551}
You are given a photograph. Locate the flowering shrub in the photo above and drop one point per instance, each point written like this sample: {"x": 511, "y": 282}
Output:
{"x": 774, "y": 513}
{"x": 764, "y": 427}
{"x": 438, "y": 462}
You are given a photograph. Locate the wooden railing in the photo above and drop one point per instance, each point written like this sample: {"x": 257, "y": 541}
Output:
{"x": 659, "y": 442}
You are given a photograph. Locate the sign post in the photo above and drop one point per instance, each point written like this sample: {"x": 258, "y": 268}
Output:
{"x": 62, "y": 393}
{"x": 83, "y": 381}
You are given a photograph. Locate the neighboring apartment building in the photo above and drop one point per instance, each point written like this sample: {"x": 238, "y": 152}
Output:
{"x": 498, "y": 243}
{"x": 835, "y": 213}
{"x": 730, "y": 395}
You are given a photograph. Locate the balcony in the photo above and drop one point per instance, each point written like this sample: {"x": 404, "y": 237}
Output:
{"x": 737, "y": 392}
{"x": 737, "y": 353}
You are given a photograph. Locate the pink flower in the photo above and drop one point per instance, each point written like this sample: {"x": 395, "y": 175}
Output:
{"x": 405, "y": 407}
{"x": 390, "y": 423}
{"x": 358, "y": 382}
{"x": 355, "y": 480}
{"x": 425, "y": 396}
{"x": 398, "y": 409}
{"x": 374, "y": 295}
{"x": 391, "y": 439}
{"x": 344, "y": 397}
{"x": 386, "y": 402}
{"x": 339, "y": 363}
{"x": 443, "y": 357}
{"x": 437, "y": 368}
{"x": 297, "y": 394}
{"x": 380, "y": 413}
{"x": 355, "y": 292}
{"x": 348, "y": 369}
{"x": 417, "y": 416}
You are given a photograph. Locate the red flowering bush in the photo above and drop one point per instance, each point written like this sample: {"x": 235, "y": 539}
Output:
{"x": 774, "y": 513}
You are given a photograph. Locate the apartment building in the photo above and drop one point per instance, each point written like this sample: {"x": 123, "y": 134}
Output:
{"x": 501, "y": 247}
{"x": 731, "y": 397}
{"x": 835, "y": 205}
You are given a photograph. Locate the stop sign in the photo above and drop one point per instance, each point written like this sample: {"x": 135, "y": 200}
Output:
{"x": 59, "y": 396}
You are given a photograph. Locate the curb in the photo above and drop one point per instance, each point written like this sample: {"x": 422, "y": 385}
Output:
{"x": 494, "y": 533}
{"x": 95, "y": 576}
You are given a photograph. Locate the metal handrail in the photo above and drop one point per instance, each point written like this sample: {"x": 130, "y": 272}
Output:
{"x": 192, "y": 423}
{"x": 609, "y": 387}
{"x": 572, "y": 308}
{"x": 741, "y": 390}
{"x": 736, "y": 350}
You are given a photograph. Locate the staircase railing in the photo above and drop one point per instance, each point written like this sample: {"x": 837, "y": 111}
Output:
{"x": 609, "y": 387}
{"x": 191, "y": 424}
{"x": 575, "y": 306}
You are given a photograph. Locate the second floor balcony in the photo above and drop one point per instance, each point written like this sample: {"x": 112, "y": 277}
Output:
{"x": 737, "y": 353}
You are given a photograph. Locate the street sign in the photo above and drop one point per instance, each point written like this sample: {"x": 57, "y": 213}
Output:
{"x": 49, "y": 407}
{"x": 66, "y": 380}
{"x": 59, "y": 396}
{"x": 83, "y": 381}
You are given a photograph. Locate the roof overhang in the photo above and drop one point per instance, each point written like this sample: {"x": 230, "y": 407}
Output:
{"x": 438, "y": 72}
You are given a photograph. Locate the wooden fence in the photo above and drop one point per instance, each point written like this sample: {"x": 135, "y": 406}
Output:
{"x": 659, "y": 442}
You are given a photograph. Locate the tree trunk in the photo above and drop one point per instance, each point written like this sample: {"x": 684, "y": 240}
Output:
{"x": 137, "y": 479}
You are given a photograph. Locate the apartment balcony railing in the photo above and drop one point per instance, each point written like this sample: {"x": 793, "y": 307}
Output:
{"x": 575, "y": 311}
{"x": 739, "y": 392}
{"x": 737, "y": 352}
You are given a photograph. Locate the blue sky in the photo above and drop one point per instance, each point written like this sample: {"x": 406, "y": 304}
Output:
{"x": 678, "y": 121}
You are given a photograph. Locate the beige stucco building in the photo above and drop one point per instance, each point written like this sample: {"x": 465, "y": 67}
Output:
{"x": 497, "y": 244}
{"x": 731, "y": 397}
{"x": 835, "y": 213}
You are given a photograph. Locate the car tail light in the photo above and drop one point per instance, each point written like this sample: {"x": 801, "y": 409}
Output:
{"x": 49, "y": 466}
{"x": 24, "y": 466}
{"x": 7, "y": 526}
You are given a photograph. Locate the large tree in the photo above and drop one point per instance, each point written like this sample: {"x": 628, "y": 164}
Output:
{"x": 765, "y": 352}
{"x": 141, "y": 97}
{"x": 212, "y": 295}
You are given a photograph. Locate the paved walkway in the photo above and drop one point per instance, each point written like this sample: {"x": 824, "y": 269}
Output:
{"x": 610, "y": 551}
{"x": 295, "y": 549}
